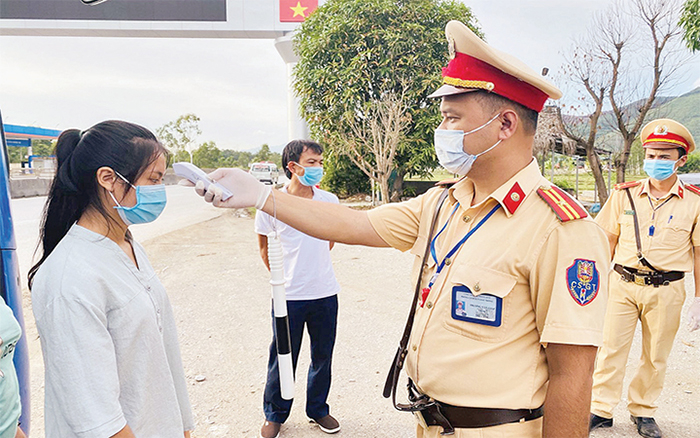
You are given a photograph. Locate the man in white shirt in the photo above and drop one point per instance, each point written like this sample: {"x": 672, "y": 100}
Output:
{"x": 311, "y": 290}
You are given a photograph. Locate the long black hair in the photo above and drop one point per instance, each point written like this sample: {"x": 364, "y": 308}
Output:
{"x": 125, "y": 147}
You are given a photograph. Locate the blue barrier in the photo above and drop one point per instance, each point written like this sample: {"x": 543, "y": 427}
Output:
{"x": 10, "y": 287}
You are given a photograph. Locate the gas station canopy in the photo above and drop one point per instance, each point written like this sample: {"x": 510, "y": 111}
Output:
{"x": 17, "y": 135}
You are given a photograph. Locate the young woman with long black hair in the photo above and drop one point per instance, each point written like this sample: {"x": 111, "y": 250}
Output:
{"x": 113, "y": 365}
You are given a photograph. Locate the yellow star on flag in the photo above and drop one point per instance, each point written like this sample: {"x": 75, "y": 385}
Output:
{"x": 298, "y": 10}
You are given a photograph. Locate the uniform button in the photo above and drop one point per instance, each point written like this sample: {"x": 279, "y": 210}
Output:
{"x": 148, "y": 287}
{"x": 515, "y": 197}
{"x": 448, "y": 262}
{"x": 429, "y": 305}
{"x": 477, "y": 287}
{"x": 466, "y": 218}
{"x": 415, "y": 347}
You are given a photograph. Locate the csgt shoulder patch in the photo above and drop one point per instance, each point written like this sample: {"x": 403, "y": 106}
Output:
{"x": 564, "y": 206}
{"x": 627, "y": 185}
{"x": 583, "y": 281}
{"x": 692, "y": 188}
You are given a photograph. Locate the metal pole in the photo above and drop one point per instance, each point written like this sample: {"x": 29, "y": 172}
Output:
{"x": 609, "y": 169}
{"x": 551, "y": 165}
{"x": 576, "y": 164}
{"x": 279, "y": 305}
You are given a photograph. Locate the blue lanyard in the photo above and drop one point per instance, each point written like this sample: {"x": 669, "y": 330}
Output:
{"x": 459, "y": 244}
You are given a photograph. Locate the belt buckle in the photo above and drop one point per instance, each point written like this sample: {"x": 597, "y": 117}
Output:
{"x": 639, "y": 280}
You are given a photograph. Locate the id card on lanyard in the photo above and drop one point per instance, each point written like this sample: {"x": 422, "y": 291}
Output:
{"x": 440, "y": 266}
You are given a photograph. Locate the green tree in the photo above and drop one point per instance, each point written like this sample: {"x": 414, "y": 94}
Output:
{"x": 40, "y": 147}
{"x": 692, "y": 165}
{"x": 263, "y": 154}
{"x": 17, "y": 154}
{"x": 207, "y": 155}
{"x": 341, "y": 177}
{"x": 179, "y": 136}
{"x": 354, "y": 52}
{"x": 43, "y": 148}
{"x": 690, "y": 22}
{"x": 231, "y": 158}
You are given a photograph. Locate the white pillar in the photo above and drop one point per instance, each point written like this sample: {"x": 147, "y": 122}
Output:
{"x": 296, "y": 126}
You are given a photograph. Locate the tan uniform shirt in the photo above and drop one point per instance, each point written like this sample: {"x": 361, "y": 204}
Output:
{"x": 669, "y": 246}
{"x": 523, "y": 255}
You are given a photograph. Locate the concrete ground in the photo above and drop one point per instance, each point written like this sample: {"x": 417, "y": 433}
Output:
{"x": 221, "y": 297}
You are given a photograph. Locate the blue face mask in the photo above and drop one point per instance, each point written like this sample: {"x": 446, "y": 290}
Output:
{"x": 150, "y": 202}
{"x": 312, "y": 176}
{"x": 659, "y": 169}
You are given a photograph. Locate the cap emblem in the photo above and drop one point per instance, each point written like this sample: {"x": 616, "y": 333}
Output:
{"x": 451, "y": 46}
{"x": 661, "y": 130}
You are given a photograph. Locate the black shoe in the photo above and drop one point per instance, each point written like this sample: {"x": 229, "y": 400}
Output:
{"x": 598, "y": 421}
{"x": 646, "y": 426}
{"x": 327, "y": 424}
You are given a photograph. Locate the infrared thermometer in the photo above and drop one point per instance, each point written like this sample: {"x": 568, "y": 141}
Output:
{"x": 193, "y": 173}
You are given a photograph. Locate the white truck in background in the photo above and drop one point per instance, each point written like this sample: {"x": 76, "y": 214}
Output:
{"x": 265, "y": 172}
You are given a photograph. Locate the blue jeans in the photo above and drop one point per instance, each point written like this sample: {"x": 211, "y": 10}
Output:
{"x": 320, "y": 317}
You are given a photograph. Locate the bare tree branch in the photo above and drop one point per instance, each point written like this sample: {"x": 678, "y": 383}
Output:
{"x": 373, "y": 135}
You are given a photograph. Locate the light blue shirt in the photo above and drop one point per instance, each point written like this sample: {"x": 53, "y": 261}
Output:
{"x": 10, "y": 407}
{"x": 110, "y": 346}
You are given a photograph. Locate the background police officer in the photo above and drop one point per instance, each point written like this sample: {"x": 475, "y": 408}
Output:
{"x": 646, "y": 284}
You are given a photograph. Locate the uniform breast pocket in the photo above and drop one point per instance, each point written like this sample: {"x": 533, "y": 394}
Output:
{"x": 676, "y": 233}
{"x": 418, "y": 250}
{"x": 479, "y": 302}
{"x": 627, "y": 229}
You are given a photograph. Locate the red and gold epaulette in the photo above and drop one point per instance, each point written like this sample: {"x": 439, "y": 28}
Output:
{"x": 447, "y": 182}
{"x": 627, "y": 184}
{"x": 564, "y": 206}
{"x": 692, "y": 188}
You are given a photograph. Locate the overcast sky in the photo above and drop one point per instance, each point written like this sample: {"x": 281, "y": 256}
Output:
{"x": 237, "y": 87}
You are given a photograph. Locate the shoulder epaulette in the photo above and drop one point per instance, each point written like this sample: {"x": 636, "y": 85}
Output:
{"x": 627, "y": 184}
{"x": 447, "y": 182}
{"x": 692, "y": 188}
{"x": 564, "y": 206}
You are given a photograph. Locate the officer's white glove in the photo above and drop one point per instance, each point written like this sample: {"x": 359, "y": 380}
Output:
{"x": 694, "y": 315}
{"x": 247, "y": 190}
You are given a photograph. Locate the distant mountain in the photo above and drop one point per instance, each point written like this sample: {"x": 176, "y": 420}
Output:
{"x": 684, "y": 109}
{"x": 276, "y": 148}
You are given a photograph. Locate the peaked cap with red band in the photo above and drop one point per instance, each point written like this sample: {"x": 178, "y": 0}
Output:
{"x": 477, "y": 66}
{"x": 667, "y": 134}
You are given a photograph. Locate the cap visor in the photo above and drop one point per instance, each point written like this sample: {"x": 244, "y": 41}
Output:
{"x": 449, "y": 90}
{"x": 662, "y": 145}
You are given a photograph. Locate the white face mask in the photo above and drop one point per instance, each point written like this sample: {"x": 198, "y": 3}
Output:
{"x": 450, "y": 149}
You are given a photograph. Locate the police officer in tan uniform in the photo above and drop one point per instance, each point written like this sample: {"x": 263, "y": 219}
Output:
{"x": 652, "y": 227}
{"x": 511, "y": 302}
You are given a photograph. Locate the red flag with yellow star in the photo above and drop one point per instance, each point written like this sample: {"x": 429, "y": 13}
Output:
{"x": 295, "y": 11}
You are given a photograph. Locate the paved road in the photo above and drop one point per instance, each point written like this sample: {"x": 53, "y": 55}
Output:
{"x": 184, "y": 208}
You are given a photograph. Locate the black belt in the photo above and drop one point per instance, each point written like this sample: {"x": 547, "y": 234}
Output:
{"x": 648, "y": 278}
{"x": 474, "y": 418}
